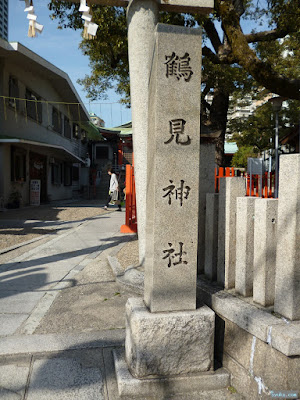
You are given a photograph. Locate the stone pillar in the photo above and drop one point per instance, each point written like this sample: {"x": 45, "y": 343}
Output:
{"x": 207, "y": 185}
{"x": 173, "y": 165}
{"x": 244, "y": 245}
{"x": 211, "y": 236}
{"x": 165, "y": 334}
{"x": 142, "y": 16}
{"x": 264, "y": 261}
{"x": 230, "y": 189}
{"x": 287, "y": 283}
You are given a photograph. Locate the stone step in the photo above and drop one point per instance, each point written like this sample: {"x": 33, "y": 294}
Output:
{"x": 168, "y": 386}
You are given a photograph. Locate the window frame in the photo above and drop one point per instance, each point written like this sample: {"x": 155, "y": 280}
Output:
{"x": 59, "y": 126}
{"x": 67, "y": 128}
{"x": 67, "y": 174}
{"x": 56, "y": 180}
{"x": 37, "y": 114}
{"x": 13, "y": 92}
{"x": 76, "y": 132}
{"x": 21, "y": 154}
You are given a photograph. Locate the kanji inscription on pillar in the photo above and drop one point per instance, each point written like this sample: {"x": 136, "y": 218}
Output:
{"x": 177, "y": 132}
{"x": 173, "y": 257}
{"x": 179, "y": 66}
{"x": 173, "y": 193}
{"x": 173, "y": 164}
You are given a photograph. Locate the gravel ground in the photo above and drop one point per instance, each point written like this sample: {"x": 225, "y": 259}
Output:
{"x": 129, "y": 254}
{"x": 75, "y": 211}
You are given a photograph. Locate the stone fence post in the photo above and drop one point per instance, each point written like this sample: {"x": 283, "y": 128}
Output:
{"x": 211, "y": 236}
{"x": 230, "y": 189}
{"x": 244, "y": 245}
{"x": 287, "y": 283}
{"x": 265, "y": 239}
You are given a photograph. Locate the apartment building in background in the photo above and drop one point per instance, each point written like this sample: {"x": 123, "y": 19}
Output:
{"x": 4, "y": 19}
{"x": 44, "y": 128}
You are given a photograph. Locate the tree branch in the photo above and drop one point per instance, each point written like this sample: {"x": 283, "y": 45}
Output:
{"x": 207, "y": 52}
{"x": 266, "y": 36}
{"x": 213, "y": 35}
{"x": 261, "y": 71}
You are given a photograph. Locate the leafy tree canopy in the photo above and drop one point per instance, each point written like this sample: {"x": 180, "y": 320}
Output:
{"x": 240, "y": 158}
{"x": 234, "y": 63}
{"x": 229, "y": 62}
{"x": 257, "y": 131}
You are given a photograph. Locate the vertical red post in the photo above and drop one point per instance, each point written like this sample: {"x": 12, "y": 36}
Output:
{"x": 248, "y": 185}
{"x": 216, "y": 181}
{"x": 130, "y": 211}
{"x": 120, "y": 153}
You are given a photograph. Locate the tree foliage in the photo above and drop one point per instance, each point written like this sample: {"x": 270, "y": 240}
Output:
{"x": 258, "y": 130}
{"x": 234, "y": 63}
{"x": 240, "y": 158}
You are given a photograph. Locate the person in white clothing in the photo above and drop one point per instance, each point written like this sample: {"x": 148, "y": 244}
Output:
{"x": 113, "y": 193}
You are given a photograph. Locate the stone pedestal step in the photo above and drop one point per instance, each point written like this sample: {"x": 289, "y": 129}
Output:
{"x": 159, "y": 387}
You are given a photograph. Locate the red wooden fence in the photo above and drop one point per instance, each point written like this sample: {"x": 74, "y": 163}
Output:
{"x": 130, "y": 211}
{"x": 267, "y": 181}
{"x": 221, "y": 173}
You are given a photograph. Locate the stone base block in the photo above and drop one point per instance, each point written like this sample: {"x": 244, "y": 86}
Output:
{"x": 168, "y": 343}
{"x": 166, "y": 386}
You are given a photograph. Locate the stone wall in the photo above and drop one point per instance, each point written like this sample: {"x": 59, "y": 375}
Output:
{"x": 259, "y": 349}
{"x": 256, "y": 367}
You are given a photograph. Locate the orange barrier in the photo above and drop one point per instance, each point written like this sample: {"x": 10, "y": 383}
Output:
{"x": 130, "y": 214}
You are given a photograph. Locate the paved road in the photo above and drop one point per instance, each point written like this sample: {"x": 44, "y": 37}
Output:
{"x": 25, "y": 280}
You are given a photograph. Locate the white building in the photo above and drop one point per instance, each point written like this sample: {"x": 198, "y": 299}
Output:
{"x": 97, "y": 120}
{"x": 43, "y": 128}
{"x": 4, "y": 19}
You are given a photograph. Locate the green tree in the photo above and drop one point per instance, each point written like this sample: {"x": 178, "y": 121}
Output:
{"x": 234, "y": 63}
{"x": 240, "y": 158}
{"x": 258, "y": 130}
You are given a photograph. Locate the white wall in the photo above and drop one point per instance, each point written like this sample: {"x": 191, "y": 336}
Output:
{"x": 17, "y": 125}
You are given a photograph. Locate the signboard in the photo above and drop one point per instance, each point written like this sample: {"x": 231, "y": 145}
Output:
{"x": 35, "y": 192}
{"x": 255, "y": 166}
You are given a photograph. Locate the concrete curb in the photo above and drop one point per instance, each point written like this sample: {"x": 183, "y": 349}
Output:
{"x": 130, "y": 278}
{"x": 29, "y": 344}
{"x": 17, "y": 246}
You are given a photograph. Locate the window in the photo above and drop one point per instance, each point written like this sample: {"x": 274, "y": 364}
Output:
{"x": 68, "y": 175}
{"x": 83, "y": 136}
{"x": 76, "y": 131}
{"x": 13, "y": 92}
{"x": 56, "y": 174}
{"x": 18, "y": 165}
{"x": 56, "y": 120}
{"x": 75, "y": 173}
{"x": 67, "y": 128}
{"x": 101, "y": 153}
{"x": 34, "y": 107}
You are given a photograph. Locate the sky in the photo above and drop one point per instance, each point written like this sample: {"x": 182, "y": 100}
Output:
{"x": 60, "y": 47}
